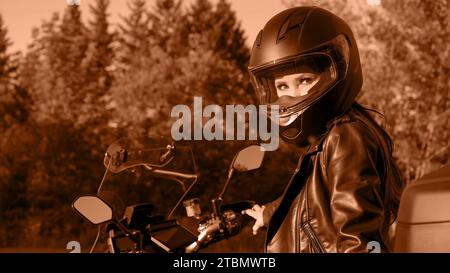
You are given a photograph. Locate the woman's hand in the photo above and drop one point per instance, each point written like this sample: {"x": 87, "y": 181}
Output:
{"x": 256, "y": 213}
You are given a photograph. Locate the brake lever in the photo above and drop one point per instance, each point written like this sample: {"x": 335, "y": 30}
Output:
{"x": 238, "y": 207}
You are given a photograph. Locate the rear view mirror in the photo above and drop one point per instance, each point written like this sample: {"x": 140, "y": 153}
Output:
{"x": 249, "y": 159}
{"x": 93, "y": 209}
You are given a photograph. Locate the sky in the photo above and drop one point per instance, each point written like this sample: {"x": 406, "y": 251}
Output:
{"x": 21, "y": 16}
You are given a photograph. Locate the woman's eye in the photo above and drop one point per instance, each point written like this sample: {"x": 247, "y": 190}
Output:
{"x": 306, "y": 81}
{"x": 282, "y": 87}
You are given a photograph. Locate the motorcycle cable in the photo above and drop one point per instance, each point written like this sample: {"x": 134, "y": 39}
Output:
{"x": 99, "y": 229}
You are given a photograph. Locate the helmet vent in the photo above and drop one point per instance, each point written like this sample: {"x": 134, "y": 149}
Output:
{"x": 292, "y": 22}
{"x": 258, "y": 39}
{"x": 283, "y": 31}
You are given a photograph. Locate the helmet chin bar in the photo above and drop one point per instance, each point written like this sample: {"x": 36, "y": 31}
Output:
{"x": 291, "y": 118}
{"x": 302, "y": 130}
{"x": 297, "y": 125}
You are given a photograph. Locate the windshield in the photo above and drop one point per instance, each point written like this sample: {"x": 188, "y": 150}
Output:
{"x": 151, "y": 170}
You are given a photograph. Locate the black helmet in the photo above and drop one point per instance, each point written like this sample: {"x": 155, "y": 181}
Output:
{"x": 300, "y": 40}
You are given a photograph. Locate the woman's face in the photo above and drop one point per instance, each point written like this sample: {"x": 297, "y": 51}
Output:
{"x": 296, "y": 85}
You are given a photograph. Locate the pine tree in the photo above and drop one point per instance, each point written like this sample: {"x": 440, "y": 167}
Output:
{"x": 200, "y": 16}
{"x": 40, "y": 74}
{"x": 5, "y": 58}
{"x": 167, "y": 22}
{"x": 6, "y": 70}
{"x": 58, "y": 85}
{"x": 198, "y": 27}
{"x": 230, "y": 40}
{"x": 134, "y": 33}
{"x": 13, "y": 99}
{"x": 97, "y": 67}
{"x": 219, "y": 30}
{"x": 215, "y": 30}
{"x": 71, "y": 49}
{"x": 15, "y": 156}
{"x": 99, "y": 56}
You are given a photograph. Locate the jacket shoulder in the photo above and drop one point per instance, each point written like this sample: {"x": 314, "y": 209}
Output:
{"x": 350, "y": 138}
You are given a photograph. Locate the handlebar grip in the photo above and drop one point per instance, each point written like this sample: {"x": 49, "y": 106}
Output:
{"x": 194, "y": 247}
{"x": 203, "y": 237}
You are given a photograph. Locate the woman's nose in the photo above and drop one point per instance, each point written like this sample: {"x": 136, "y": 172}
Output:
{"x": 298, "y": 91}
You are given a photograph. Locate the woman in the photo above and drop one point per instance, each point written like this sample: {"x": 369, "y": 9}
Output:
{"x": 345, "y": 191}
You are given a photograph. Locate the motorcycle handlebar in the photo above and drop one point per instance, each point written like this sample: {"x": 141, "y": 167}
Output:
{"x": 203, "y": 237}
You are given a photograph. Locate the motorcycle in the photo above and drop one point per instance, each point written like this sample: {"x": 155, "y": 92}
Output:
{"x": 423, "y": 223}
{"x": 138, "y": 229}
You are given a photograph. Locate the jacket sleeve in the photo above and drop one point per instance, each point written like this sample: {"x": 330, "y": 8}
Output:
{"x": 269, "y": 210}
{"x": 354, "y": 187}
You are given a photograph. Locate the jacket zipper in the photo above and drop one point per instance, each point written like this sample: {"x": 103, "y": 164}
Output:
{"x": 297, "y": 240}
{"x": 316, "y": 245}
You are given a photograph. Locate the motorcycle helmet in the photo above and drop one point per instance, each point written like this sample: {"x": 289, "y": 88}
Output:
{"x": 306, "y": 41}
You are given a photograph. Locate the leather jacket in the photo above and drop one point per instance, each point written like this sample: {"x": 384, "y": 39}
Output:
{"x": 334, "y": 200}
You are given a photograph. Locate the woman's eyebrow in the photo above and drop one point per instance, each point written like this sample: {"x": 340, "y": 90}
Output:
{"x": 306, "y": 74}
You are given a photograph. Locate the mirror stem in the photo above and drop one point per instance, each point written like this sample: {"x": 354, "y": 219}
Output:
{"x": 230, "y": 174}
{"x": 216, "y": 204}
